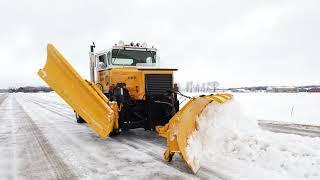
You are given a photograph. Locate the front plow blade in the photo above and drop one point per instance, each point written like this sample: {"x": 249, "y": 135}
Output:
{"x": 84, "y": 97}
{"x": 183, "y": 124}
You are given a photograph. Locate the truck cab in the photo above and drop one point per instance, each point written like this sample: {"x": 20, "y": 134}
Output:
{"x": 130, "y": 74}
{"x": 125, "y": 55}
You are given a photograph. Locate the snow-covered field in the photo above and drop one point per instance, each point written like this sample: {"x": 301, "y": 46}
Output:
{"x": 40, "y": 139}
{"x": 301, "y": 108}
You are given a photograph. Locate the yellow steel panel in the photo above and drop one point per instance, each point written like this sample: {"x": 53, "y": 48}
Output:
{"x": 187, "y": 125}
{"x": 85, "y": 98}
{"x": 183, "y": 124}
{"x": 134, "y": 79}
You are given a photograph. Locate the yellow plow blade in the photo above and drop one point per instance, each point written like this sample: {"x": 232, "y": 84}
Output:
{"x": 84, "y": 97}
{"x": 183, "y": 124}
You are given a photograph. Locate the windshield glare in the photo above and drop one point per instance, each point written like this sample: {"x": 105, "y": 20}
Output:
{"x": 132, "y": 57}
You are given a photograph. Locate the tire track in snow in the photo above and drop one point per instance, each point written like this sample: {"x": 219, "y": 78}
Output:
{"x": 7, "y": 141}
{"x": 144, "y": 142}
{"x": 153, "y": 151}
{"x": 3, "y": 97}
{"x": 137, "y": 142}
{"x": 146, "y": 145}
{"x": 49, "y": 107}
{"x": 41, "y": 97}
{"x": 134, "y": 141}
{"x": 133, "y": 144}
{"x": 73, "y": 147}
{"x": 40, "y": 160}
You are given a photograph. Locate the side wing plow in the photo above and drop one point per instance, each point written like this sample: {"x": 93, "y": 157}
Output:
{"x": 83, "y": 96}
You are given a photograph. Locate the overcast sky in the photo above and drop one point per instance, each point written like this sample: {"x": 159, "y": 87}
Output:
{"x": 238, "y": 43}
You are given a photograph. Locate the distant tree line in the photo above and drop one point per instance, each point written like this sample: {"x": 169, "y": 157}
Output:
{"x": 3, "y": 90}
{"x": 29, "y": 89}
{"x": 192, "y": 86}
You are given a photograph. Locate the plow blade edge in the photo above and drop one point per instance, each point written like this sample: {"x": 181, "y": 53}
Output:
{"x": 183, "y": 124}
{"x": 83, "y": 96}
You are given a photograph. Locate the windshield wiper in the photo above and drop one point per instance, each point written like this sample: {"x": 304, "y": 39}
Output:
{"x": 116, "y": 56}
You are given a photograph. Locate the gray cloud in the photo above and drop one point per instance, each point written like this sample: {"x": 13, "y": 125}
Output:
{"x": 234, "y": 42}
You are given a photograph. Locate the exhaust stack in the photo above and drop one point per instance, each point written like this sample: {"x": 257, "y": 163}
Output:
{"x": 92, "y": 62}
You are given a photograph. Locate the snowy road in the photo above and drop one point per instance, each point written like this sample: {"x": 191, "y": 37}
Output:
{"x": 289, "y": 128}
{"x": 40, "y": 139}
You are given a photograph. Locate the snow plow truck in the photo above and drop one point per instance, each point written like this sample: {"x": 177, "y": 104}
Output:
{"x": 128, "y": 89}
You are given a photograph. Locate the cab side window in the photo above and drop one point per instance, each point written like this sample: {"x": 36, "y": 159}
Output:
{"x": 102, "y": 58}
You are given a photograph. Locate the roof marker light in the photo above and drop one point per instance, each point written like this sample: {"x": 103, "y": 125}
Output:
{"x": 144, "y": 45}
{"x": 121, "y": 43}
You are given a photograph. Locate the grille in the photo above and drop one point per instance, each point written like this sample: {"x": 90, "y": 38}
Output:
{"x": 158, "y": 84}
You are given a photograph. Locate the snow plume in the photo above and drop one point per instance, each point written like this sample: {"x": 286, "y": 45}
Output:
{"x": 227, "y": 139}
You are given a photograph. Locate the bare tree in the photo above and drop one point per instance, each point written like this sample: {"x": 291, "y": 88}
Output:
{"x": 215, "y": 85}
{"x": 201, "y": 86}
{"x": 189, "y": 86}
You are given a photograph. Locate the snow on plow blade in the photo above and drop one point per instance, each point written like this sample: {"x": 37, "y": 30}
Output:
{"x": 183, "y": 124}
{"x": 84, "y": 97}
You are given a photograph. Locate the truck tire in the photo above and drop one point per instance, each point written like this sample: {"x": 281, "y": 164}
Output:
{"x": 115, "y": 132}
{"x": 79, "y": 119}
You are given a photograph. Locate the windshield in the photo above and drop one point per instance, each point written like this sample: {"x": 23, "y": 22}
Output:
{"x": 132, "y": 57}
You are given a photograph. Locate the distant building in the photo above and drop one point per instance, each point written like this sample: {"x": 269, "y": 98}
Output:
{"x": 303, "y": 90}
{"x": 269, "y": 89}
{"x": 285, "y": 89}
{"x": 314, "y": 90}
{"x": 239, "y": 90}
{"x": 256, "y": 88}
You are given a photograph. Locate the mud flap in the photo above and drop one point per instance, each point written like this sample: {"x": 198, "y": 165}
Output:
{"x": 84, "y": 97}
{"x": 183, "y": 124}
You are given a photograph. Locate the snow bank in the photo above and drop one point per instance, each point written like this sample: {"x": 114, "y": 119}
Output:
{"x": 227, "y": 139}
